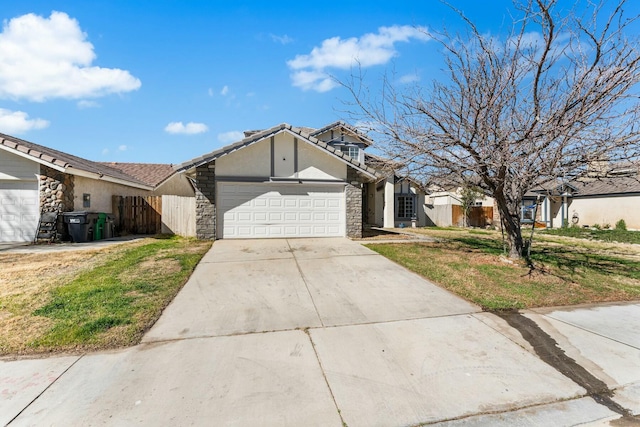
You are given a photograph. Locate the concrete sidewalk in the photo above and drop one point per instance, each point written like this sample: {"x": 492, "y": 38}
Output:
{"x": 30, "y": 248}
{"x": 326, "y": 332}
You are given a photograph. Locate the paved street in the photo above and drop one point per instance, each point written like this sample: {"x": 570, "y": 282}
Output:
{"x": 325, "y": 332}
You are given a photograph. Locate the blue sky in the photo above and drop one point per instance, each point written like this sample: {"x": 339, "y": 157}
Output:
{"x": 166, "y": 81}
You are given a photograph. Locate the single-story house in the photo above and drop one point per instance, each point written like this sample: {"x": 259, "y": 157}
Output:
{"x": 444, "y": 209}
{"x": 590, "y": 201}
{"x": 297, "y": 182}
{"x": 36, "y": 179}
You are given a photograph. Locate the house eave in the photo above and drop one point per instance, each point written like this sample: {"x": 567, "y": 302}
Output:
{"x": 32, "y": 158}
{"x": 107, "y": 178}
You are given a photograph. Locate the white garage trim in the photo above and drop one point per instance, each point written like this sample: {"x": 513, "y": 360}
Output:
{"x": 268, "y": 210}
{"x": 19, "y": 210}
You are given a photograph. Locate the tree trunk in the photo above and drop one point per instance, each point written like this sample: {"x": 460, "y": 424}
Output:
{"x": 511, "y": 227}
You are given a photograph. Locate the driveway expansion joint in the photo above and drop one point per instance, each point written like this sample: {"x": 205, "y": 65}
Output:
{"x": 44, "y": 390}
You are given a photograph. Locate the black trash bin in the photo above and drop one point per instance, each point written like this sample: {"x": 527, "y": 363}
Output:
{"x": 80, "y": 225}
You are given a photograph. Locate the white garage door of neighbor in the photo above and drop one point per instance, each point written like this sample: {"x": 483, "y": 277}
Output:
{"x": 250, "y": 210}
{"x": 19, "y": 210}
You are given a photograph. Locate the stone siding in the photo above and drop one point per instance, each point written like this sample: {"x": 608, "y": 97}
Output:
{"x": 56, "y": 190}
{"x": 353, "y": 195}
{"x": 206, "y": 202}
{"x": 56, "y": 195}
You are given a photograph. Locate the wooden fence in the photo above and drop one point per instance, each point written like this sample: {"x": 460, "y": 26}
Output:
{"x": 479, "y": 216}
{"x": 154, "y": 215}
{"x": 137, "y": 214}
{"x": 179, "y": 215}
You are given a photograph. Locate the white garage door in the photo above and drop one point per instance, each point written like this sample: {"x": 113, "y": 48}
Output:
{"x": 19, "y": 210}
{"x": 280, "y": 210}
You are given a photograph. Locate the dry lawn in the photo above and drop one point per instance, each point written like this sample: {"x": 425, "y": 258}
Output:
{"x": 469, "y": 263}
{"x": 28, "y": 282}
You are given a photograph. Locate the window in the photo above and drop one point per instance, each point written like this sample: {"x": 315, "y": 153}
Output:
{"x": 406, "y": 207}
{"x": 351, "y": 151}
{"x": 528, "y": 211}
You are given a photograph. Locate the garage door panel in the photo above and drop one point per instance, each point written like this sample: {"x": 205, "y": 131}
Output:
{"x": 277, "y": 210}
{"x": 19, "y": 211}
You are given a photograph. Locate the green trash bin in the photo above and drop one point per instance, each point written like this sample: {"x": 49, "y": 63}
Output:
{"x": 98, "y": 230}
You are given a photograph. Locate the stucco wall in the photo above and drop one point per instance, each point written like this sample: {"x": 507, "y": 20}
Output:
{"x": 255, "y": 161}
{"x": 283, "y": 156}
{"x": 251, "y": 161}
{"x": 605, "y": 210}
{"x": 439, "y": 215}
{"x": 177, "y": 185}
{"x": 314, "y": 164}
{"x": 101, "y": 192}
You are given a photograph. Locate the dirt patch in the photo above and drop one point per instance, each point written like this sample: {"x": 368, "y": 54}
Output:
{"x": 159, "y": 266}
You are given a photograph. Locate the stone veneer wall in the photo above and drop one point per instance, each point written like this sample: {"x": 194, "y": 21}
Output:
{"x": 56, "y": 190}
{"x": 353, "y": 195}
{"x": 206, "y": 202}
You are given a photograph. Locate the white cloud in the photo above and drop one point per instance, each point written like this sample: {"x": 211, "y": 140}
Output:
{"x": 190, "y": 128}
{"x": 409, "y": 78}
{"x": 310, "y": 71}
{"x": 105, "y": 151}
{"x": 281, "y": 39}
{"x": 225, "y": 90}
{"x": 44, "y": 58}
{"x": 122, "y": 148}
{"x": 231, "y": 136}
{"x": 16, "y": 122}
{"x": 84, "y": 104}
{"x": 210, "y": 92}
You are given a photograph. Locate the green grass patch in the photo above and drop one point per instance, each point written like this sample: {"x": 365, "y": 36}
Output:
{"x": 614, "y": 235}
{"x": 114, "y": 303}
{"x": 474, "y": 269}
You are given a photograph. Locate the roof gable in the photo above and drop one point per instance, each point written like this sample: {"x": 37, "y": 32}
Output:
{"x": 262, "y": 135}
{"x": 342, "y": 127}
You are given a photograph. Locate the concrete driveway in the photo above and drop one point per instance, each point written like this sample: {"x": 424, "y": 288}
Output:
{"x": 325, "y": 332}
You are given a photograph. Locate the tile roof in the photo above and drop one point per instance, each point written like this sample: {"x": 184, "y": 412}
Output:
{"x": 591, "y": 186}
{"x": 606, "y": 186}
{"x": 64, "y": 161}
{"x": 152, "y": 174}
{"x": 255, "y": 137}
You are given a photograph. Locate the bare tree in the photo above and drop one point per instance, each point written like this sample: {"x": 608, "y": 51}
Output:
{"x": 516, "y": 112}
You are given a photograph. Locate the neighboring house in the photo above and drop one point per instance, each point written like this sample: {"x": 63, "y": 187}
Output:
{"x": 36, "y": 179}
{"x": 161, "y": 176}
{"x": 444, "y": 209}
{"x": 590, "y": 201}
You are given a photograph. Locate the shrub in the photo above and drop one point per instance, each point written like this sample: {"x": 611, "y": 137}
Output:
{"x": 621, "y": 225}
{"x": 597, "y": 226}
{"x": 606, "y": 226}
